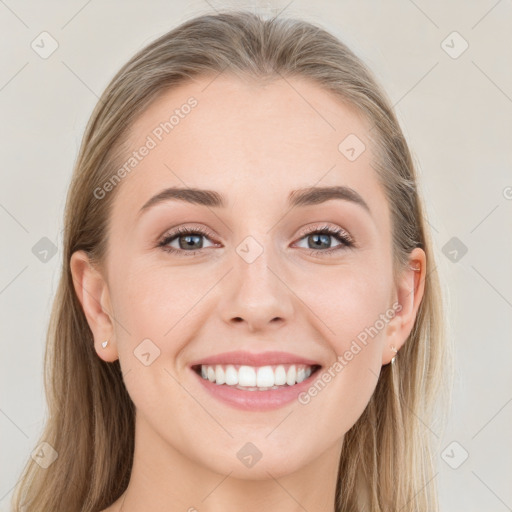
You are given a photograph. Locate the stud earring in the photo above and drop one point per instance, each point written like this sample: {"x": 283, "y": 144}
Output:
{"x": 105, "y": 343}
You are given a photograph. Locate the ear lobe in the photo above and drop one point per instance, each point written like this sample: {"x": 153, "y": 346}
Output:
{"x": 93, "y": 294}
{"x": 409, "y": 293}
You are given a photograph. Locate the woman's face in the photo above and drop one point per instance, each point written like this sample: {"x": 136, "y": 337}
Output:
{"x": 258, "y": 283}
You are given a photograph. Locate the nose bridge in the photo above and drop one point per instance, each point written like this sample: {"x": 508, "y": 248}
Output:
{"x": 253, "y": 265}
{"x": 257, "y": 294}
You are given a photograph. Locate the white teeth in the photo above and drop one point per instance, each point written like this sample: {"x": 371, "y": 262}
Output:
{"x": 220, "y": 377}
{"x": 290, "y": 376}
{"x": 280, "y": 376}
{"x": 256, "y": 378}
{"x": 231, "y": 375}
{"x": 247, "y": 376}
{"x": 265, "y": 377}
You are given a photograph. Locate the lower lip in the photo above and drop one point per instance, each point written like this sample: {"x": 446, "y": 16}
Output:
{"x": 256, "y": 400}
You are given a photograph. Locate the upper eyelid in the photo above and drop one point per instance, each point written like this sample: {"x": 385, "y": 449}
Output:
{"x": 180, "y": 230}
{"x": 336, "y": 230}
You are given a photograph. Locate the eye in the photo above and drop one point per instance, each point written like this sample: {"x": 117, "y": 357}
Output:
{"x": 188, "y": 240}
{"x": 317, "y": 238}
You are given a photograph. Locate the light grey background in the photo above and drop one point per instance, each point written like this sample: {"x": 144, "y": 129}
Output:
{"x": 456, "y": 114}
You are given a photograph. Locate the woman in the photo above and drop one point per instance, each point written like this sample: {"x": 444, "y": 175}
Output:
{"x": 249, "y": 314}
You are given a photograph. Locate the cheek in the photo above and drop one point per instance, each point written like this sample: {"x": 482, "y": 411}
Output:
{"x": 156, "y": 310}
{"x": 155, "y": 303}
{"x": 350, "y": 304}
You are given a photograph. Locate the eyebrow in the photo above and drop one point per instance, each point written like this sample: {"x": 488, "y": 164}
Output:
{"x": 300, "y": 197}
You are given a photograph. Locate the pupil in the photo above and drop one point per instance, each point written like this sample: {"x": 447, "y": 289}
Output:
{"x": 190, "y": 244}
{"x": 322, "y": 237}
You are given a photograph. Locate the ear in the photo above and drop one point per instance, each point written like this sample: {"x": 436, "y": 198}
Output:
{"x": 408, "y": 294}
{"x": 92, "y": 291}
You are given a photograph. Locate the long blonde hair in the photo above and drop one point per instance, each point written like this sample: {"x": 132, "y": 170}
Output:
{"x": 387, "y": 460}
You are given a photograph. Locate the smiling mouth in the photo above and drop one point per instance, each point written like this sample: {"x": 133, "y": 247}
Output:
{"x": 256, "y": 378}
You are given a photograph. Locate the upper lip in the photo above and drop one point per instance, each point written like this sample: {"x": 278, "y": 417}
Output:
{"x": 254, "y": 359}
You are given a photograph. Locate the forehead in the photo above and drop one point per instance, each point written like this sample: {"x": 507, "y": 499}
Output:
{"x": 247, "y": 139}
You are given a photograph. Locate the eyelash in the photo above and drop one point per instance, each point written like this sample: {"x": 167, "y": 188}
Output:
{"x": 339, "y": 233}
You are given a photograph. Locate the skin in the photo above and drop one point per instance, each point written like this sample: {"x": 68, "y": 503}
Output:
{"x": 253, "y": 143}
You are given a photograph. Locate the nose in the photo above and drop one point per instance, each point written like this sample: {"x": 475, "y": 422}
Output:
{"x": 257, "y": 296}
